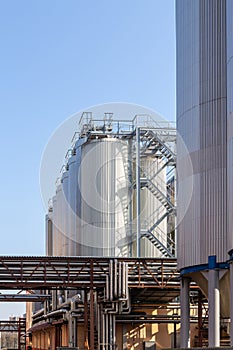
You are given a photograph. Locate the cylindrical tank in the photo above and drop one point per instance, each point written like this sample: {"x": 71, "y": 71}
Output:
{"x": 64, "y": 212}
{"x": 201, "y": 122}
{"x": 58, "y": 220}
{"x": 72, "y": 185}
{"x": 103, "y": 183}
{"x": 49, "y": 232}
{"x": 55, "y": 228}
{"x": 229, "y": 12}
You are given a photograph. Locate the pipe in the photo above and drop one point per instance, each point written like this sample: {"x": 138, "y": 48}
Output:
{"x": 55, "y": 312}
{"x": 115, "y": 279}
{"x": 38, "y": 313}
{"x": 120, "y": 279}
{"x": 111, "y": 279}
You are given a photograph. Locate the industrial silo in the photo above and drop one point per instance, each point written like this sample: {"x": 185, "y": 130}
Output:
{"x": 202, "y": 124}
{"x": 96, "y": 207}
{"x": 64, "y": 212}
{"x": 103, "y": 184}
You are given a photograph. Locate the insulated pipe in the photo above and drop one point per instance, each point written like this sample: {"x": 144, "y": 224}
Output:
{"x": 106, "y": 328}
{"x": 103, "y": 330}
{"x": 110, "y": 332}
{"x": 185, "y": 313}
{"x": 114, "y": 331}
{"x": 111, "y": 279}
{"x": 120, "y": 280}
{"x": 115, "y": 279}
{"x": 214, "y": 308}
{"x": 124, "y": 280}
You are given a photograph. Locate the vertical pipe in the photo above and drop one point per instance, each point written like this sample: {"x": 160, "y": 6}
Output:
{"x": 110, "y": 332}
{"x": 107, "y": 332}
{"x": 175, "y": 341}
{"x": 103, "y": 330}
{"x": 99, "y": 325}
{"x": 199, "y": 318}
{"x": 185, "y": 313}
{"x": 138, "y": 189}
{"x": 231, "y": 302}
{"x": 92, "y": 321}
{"x": 114, "y": 331}
{"x": 75, "y": 332}
{"x": 85, "y": 320}
{"x": 214, "y": 308}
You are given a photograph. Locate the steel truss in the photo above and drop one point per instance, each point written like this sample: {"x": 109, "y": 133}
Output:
{"x": 80, "y": 272}
{"x": 18, "y": 326}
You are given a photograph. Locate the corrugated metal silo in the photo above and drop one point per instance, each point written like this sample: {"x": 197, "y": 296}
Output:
{"x": 104, "y": 197}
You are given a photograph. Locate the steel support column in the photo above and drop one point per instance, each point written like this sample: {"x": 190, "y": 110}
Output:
{"x": 92, "y": 320}
{"x": 185, "y": 313}
{"x": 214, "y": 308}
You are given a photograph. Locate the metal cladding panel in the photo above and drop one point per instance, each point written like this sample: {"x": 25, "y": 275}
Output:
{"x": 103, "y": 182}
{"x": 64, "y": 213}
{"x": 201, "y": 122}
{"x": 230, "y": 120}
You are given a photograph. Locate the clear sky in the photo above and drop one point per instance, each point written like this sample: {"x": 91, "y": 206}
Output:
{"x": 59, "y": 57}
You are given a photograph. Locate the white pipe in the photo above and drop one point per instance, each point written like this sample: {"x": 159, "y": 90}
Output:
{"x": 185, "y": 313}
{"x": 120, "y": 280}
{"x": 115, "y": 279}
{"x": 111, "y": 279}
{"x": 214, "y": 308}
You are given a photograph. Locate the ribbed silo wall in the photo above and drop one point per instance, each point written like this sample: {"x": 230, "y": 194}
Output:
{"x": 201, "y": 122}
{"x": 74, "y": 200}
{"x": 64, "y": 213}
{"x": 58, "y": 221}
{"x": 103, "y": 185}
{"x": 230, "y": 120}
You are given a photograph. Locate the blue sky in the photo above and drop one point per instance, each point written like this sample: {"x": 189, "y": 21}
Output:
{"x": 60, "y": 57}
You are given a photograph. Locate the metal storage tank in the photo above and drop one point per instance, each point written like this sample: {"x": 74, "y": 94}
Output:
{"x": 58, "y": 221}
{"x": 64, "y": 212}
{"x": 229, "y": 12}
{"x": 55, "y": 228}
{"x": 72, "y": 165}
{"x": 104, "y": 197}
{"x": 49, "y": 231}
{"x": 202, "y": 123}
{"x": 75, "y": 199}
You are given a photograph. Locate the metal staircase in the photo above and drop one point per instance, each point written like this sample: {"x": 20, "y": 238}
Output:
{"x": 154, "y": 144}
{"x": 161, "y": 147}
